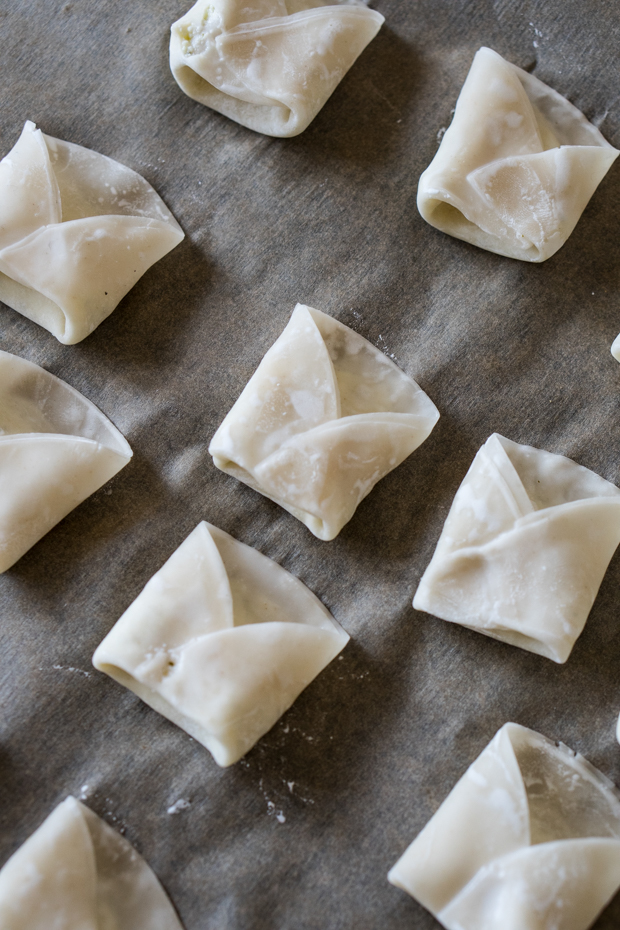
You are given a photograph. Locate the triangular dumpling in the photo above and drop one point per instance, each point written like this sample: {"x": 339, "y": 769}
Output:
{"x": 77, "y": 873}
{"x": 524, "y": 548}
{"x": 270, "y": 66}
{"x": 56, "y": 448}
{"x": 517, "y": 166}
{"x": 77, "y": 231}
{"x": 324, "y": 417}
{"x": 221, "y": 641}
{"x": 528, "y": 839}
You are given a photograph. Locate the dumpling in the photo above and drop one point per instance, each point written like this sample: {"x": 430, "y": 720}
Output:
{"x": 77, "y": 873}
{"x": 324, "y": 417}
{"x": 77, "y": 230}
{"x": 517, "y": 166}
{"x": 221, "y": 641}
{"x": 615, "y": 348}
{"x": 270, "y": 64}
{"x": 524, "y": 549}
{"x": 56, "y": 449}
{"x": 528, "y": 839}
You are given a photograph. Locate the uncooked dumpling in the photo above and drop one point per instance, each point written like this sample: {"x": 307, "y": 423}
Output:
{"x": 77, "y": 873}
{"x": 77, "y": 230}
{"x": 517, "y": 166}
{"x": 528, "y": 839}
{"x": 325, "y": 416}
{"x": 269, "y": 64}
{"x": 524, "y": 549}
{"x": 221, "y": 641}
{"x": 56, "y": 449}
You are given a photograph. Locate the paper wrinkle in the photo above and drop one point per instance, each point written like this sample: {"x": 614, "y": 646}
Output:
{"x": 477, "y": 865}
{"x": 517, "y": 166}
{"x": 221, "y": 641}
{"x": 78, "y": 231}
{"x": 524, "y": 548}
{"x": 324, "y": 417}
{"x": 270, "y": 65}
{"x": 56, "y": 449}
{"x": 76, "y": 871}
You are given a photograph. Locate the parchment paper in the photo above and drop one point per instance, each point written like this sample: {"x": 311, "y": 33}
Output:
{"x": 301, "y": 834}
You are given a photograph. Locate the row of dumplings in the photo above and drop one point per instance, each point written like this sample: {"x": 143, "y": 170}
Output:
{"x": 513, "y": 173}
{"x": 325, "y": 416}
{"x": 528, "y": 839}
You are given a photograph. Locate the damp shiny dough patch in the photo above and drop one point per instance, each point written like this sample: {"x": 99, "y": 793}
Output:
{"x": 524, "y": 548}
{"x": 268, "y": 64}
{"x": 516, "y": 167}
{"x": 221, "y": 641}
{"x": 324, "y": 417}
{"x": 77, "y": 230}
{"x": 56, "y": 449}
{"x": 77, "y": 873}
{"x": 528, "y": 839}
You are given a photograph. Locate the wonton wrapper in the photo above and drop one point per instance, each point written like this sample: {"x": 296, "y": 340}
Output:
{"x": 77, "y": 230}
{"x": 269, "y": 64}
{"x": 615, "y": 348}
{"x": 528, "y": 839}
{"x": 517, "y": 166}
{"x": 324, "y": 417}
{"x": 56, "y": 449}
{"x": 524, "y": 549}
{"x": 221, "y": 641}
{"x": 77, "y": 873}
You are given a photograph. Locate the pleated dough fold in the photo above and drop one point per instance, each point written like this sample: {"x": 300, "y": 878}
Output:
{"x": 271, "y": 64}
{"x": 221, "y": 641}
{"x": 56, "y": 449}
{"x": 77, "y": 230}
{"x": 528, "y": 839}
{"x": 77, "y": 873}
{"x": 524, "y": 549}
{"x": 324, "y": 417}
{"x": 517, "y": 166}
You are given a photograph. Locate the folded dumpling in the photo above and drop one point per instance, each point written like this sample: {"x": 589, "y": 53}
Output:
{"x": 615, "y": 348}
{"x": 524, "y": 549}
{"x": 221, "y": 641}
{"x": 56, "y": 448}
{"x": 77, "y": 230}
{"x": 517, "y": 166}
{"x": 528, "y": 839}
{"x": 324, "y": 417}
{"x": 77, "y": 873}
{"x": 270, "y": 64}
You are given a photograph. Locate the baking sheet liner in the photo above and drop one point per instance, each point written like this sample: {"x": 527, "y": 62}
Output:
{"x": 302, "y": 832}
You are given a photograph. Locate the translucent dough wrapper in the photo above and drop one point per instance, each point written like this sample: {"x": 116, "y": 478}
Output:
{"x": 325, "y": 416}
{"x": 516, "y": 167}
{"x": 77, "y": 230}
{"x": 524, "y": 549}
{"x": 77, "y": 872}
{"x": 56, "y": 449}
{"x": 528, "y": 839}
{"x": 221, "y": 641}
{"x": 271, "y": 64}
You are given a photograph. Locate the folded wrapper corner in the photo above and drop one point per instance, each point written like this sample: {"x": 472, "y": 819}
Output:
{"x": 77, "y": 230}
{"x": 56, "y": 449}
{"x": 524, "y": 548}
{"x": 324, "y": 417}
{"x": 77, "y": 873}
{"x": 517, "y": 165}
{"x": 221, "y": 641}
{"x": 615, "y": 348}
{"x": 272, "y": 64}
{"x": 528, "y": 839}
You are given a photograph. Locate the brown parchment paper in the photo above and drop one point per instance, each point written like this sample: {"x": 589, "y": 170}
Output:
{"x": 301, "y": 833}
